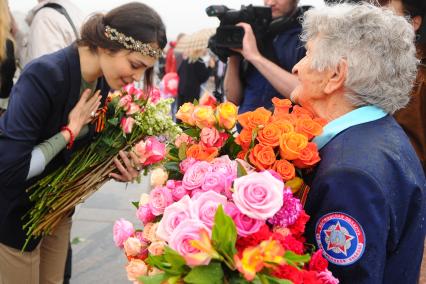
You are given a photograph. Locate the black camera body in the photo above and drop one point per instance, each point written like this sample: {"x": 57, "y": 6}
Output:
{"x": 230, "y": 36}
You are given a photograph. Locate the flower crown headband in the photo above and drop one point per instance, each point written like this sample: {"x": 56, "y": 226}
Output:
{"x": 130, "y": 43}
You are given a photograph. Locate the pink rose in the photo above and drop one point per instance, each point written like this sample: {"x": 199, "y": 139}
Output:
{"x": 275, "y": 175}
{"x": 173, "y": 216}
{"x": 122, "y": 230}
{"x": 327, "y": 277}
{"x": 178, "y": 191}
{"x": 160, "y": 198}
{"x": 215, "y": 181}
{"x": 125, "y": 102}
{"x": 245, "y": 225}
{"x": 133, "y": 108}
{"x": 157, "y": 248}
{"x": 182, "y": 235}
{"x": 144, "y": 214}
{"x": 150, "y": 151}
{"x": 154, "y": 95}
{"x": 127, "y": 124}
{"x": 205, "y": 206}
{"x": 194, "y": 176}
{"x": 209, "y": 136}
{"x": 186, "y": 164}
{"x": 132, "y": 246}
{"x": 135, "y": 269}
{"x": 150, "y": 232}
{"x": 183, "y": 138}
{"x": 258, "y": 195}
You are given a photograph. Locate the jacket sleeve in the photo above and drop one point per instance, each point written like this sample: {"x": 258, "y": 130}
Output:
{"x": 351, "y": 224}
{"x": 33, "y": 97}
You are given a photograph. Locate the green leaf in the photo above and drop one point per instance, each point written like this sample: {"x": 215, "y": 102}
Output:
{"x": 155, "y": 279}
{"x": 173, "y": 170}
{"x": 174, "y": 152}
{"x": 224, "y": 235}
{"x": 136, "y": 204}
{"x": 113, "y": 121}
{"x": 241, "y": 171}
{"x": 182, "y": 151}
{"x": 253, "y": 137}
{"x": 296, "y": 260}
{"x": 272, "y": 280}
{"x": 170, "y": 262}
{"x": 77, "y": 240}
{"x": 193, "y": 132}
{"x": 231, "y": 148}
{"x": 206, "y": 274}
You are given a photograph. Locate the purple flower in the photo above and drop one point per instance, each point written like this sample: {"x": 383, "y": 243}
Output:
{"x": 289, "y": 212}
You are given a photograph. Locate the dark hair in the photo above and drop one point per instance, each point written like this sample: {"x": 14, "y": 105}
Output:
{"x": 134, "y": 19}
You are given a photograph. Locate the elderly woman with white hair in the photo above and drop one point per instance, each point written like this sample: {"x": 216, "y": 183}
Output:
{"x": 367, "y": 195}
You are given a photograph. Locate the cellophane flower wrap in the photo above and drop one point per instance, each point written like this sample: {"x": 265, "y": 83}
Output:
{"x": 221, "y": 219}
{"x": 132, "y": 119}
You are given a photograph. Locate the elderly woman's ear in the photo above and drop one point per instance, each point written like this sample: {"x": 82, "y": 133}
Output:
{"x": 417, "y": 22}
{"x": 337, "y": 78}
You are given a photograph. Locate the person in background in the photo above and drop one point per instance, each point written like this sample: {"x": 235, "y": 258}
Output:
{"x": 367, "y": 195}
{"x": 7, "y": 55}
{"x": 48, "y": 119}
{"x": 413, "y": 117}
{"x": 50, "y": 29}
{"x": 267, "y": 75}
{"x": 194, "y": 70}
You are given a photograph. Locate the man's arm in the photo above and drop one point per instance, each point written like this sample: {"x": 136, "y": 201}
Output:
{"x": 232, "y": 83}
{"x": 284, "y": 82}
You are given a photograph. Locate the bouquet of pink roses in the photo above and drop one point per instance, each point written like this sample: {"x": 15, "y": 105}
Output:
{"x": 220, "y": 224}
{"x": 129, "y": 116}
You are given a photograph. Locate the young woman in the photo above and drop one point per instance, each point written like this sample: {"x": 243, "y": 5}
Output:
{"x": 49, "y": 117}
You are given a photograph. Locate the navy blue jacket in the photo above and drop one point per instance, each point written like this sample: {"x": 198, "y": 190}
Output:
{"x": 258, "y": 92}
{"x": 367, "y": 205}
{"x": 40, "y": 101}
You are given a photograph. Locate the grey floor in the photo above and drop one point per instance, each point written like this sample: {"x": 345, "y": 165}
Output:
{"x": 95, "y": 257}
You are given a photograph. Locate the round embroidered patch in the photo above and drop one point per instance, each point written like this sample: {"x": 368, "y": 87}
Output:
{"x": 341, "y": 238}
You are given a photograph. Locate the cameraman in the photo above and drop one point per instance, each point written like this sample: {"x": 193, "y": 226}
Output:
{"x": 265, "y": 78}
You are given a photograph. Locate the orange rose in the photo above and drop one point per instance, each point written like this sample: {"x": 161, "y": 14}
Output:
{"x": 204, "y": 116}
{"x": 270, "y": 135}
{"x": 308, "y": 127}
{"x": 285, "y": 126}
{"x": 185, "y": 113}
{"x": 262, "y": 157}
{"x": 244, "y": 138}
{"x": 201, "y": 153}
{"x": 291, "y": 144}
{"x": 281, "y": 106}
{"x": 226, "y": 115}
{"x": 308, "y": 156}
{"x": 285, "y": 169}
{"x": 242, "y": 155}
{"x": 299, "y": 111}
{"x": 253, "y": 119}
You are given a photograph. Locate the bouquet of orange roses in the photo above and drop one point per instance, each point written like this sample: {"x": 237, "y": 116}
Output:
{"x": 280, "y": 140}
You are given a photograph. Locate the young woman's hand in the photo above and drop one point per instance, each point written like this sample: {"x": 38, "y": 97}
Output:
{"x": 83, "y": 111}
{"x": 129, "y": 168}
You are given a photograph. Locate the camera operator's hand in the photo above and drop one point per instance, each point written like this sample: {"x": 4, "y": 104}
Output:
{"x": 249, "y": 50}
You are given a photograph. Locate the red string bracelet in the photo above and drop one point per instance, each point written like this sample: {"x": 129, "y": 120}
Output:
{"x": 72, "y": 137}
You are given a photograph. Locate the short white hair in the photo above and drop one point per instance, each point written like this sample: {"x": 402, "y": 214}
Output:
{"x": 378, "y": 46}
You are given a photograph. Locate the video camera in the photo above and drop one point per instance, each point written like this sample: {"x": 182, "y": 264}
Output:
{"x": 230, "y": 36}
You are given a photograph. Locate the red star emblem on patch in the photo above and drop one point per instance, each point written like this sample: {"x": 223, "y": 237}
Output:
{"x": 338, "y": 238}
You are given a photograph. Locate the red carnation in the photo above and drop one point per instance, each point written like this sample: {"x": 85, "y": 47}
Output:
{"x": 310, "y": 277}
{"x": 318, "y": 262}
{"x": 298, "y": 228}
{"x": 254, "y": 239}
{"x": 290, "y": 273}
